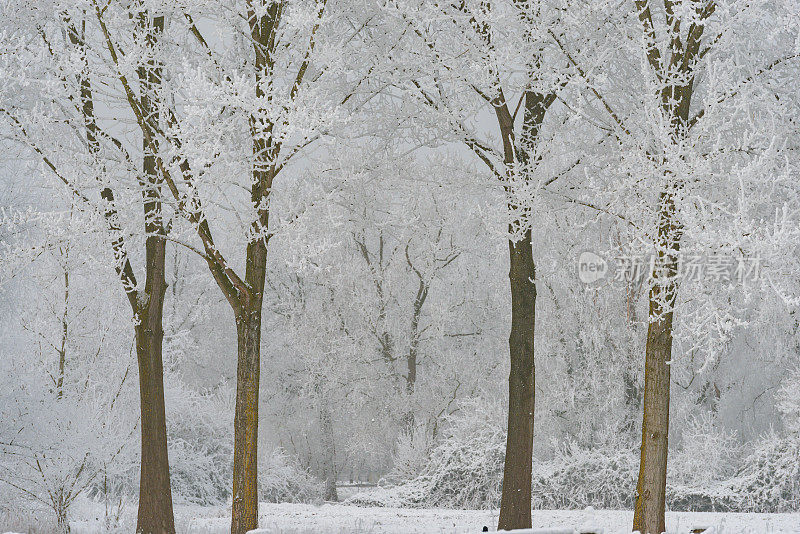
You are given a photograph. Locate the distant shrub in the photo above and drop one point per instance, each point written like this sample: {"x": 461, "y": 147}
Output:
{"x": 603, "y": 477}
{"x": 769, "y": 479}
{"x": 281, "y": 479}
{"x": 412, "y": 452}
{"x": 200, "y": 443}
{"x": 707, "y": 454}
{"x": 700, "y": 470}
{"x": 463, "y": 470}
{"x": 788, "y": 402}
{"x": 708, "y": 472}
{"x": 199, "y": 474}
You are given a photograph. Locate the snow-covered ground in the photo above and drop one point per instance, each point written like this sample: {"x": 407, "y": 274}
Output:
{"x": 343, "y": 519}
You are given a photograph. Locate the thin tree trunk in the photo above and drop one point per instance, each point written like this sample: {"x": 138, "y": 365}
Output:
{"x": 411, "y": 380}
{"x": 411, "y": 374}
{"x": 515, "y": 503}
{"x": 62, "y": 516}
{"x": 413, "y": 346}
{"x": 62, "y": 352}
{"x": 328, "y": 452}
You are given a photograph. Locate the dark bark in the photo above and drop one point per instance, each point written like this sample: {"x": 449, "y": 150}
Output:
{"x": 677, "y": 74}
{"x": 651, "y": 486}
{"x": 515, "y": 503}
{"x": 413, "y": 343}
{"x": 247, "y": 301}
{"x": 413, "y": 346}
{"x": 411, "y": 373}
{"x": 423, "y": 286}
{"x": 155, "y": 515}
{"x": 244, "y": 515}
{"x": 648, "y": 515}
{"x": 155, "y": 494}
{"x": 62, "y": 352}
{"x": 62, "y": 515}
{"x": 244, "y": 296}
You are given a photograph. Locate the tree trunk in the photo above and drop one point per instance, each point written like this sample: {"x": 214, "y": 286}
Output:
{"x": 515, "y": 503}
{"x": 247, "y": 301}
{"x": 413, "y": 345}
{"x": 244, "y": 513}
{"x": 155, "y": 514}
{"x": 411, "y": 379}
{"x": 648, "y": 515}
{"x": 245, "y": 453}
{"x": 155, "y": 495}
{"x": 62, "y": 352}
{"x": 328, "y": 452}
{"x": 413, "y": 348}
{"x": 62, "y": 516}
{"x": 676, "y": 98}
{"x": 411, "y": 375}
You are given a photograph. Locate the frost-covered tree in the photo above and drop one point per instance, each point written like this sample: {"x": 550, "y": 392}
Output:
{"x": 376, "y": 295}
{"x": 99, "y": 169}
{"x": 268, "y": 76}
{"x": 497, "y": 57}
{"x": 704, "y": 117}
{"x": 66, "y": 426}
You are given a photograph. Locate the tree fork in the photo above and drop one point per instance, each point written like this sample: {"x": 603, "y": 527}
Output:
{"x": 155, "y": 515}
{"x": 516, "y": 498}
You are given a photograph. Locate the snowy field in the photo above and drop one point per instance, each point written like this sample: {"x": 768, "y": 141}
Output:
{"x": 343, "y": 519}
